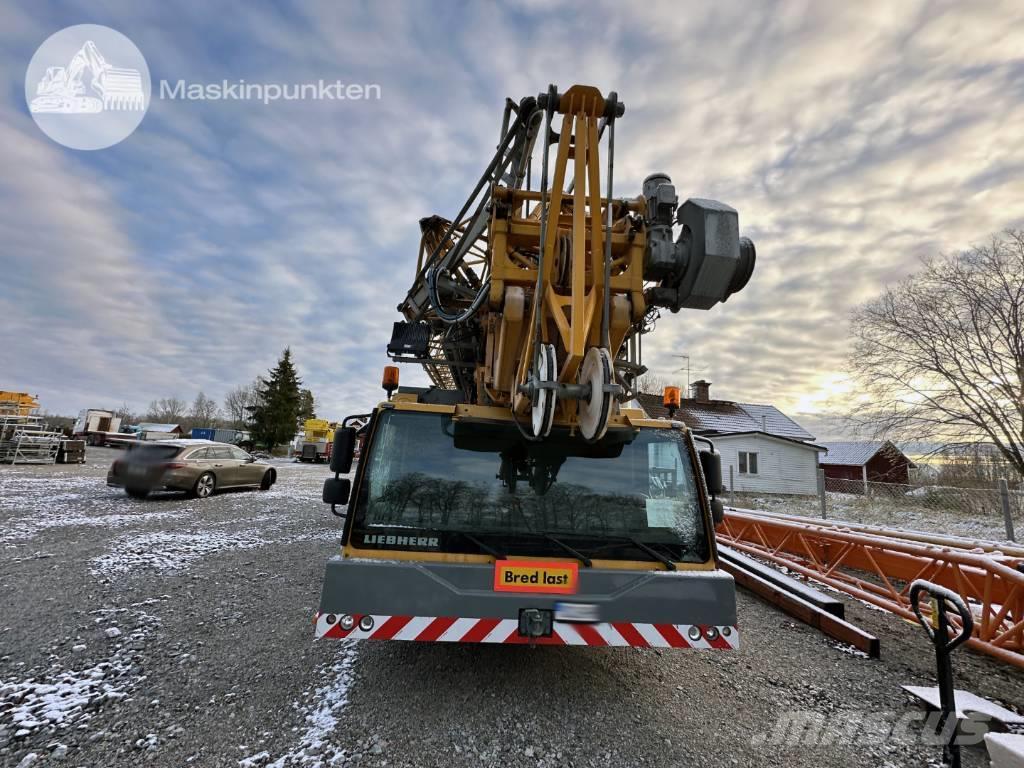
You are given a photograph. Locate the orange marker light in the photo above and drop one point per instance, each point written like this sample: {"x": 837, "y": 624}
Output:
{"x": 671, "y": 399}
{"x": 390, "y": 381}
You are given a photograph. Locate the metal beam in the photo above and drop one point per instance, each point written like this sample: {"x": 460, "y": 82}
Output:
{"x": 878, "y": 567}
{"x": 803, "y": 610}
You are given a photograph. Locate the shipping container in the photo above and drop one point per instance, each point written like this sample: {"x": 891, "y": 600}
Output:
{"x": 226, "y": 435}
{"x": 203, "y": 433}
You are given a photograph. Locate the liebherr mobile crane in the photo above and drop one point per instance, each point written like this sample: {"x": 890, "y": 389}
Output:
{"x": 520, "y": 499}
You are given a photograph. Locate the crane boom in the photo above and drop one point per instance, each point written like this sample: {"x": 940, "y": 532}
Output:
{"x": 535, "y": 299}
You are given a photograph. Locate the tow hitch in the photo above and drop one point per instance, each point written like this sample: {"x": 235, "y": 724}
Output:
{"x": 535, "y": 622}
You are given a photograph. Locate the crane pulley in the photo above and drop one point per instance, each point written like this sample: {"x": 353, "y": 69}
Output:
{"x": 536, "y": 299}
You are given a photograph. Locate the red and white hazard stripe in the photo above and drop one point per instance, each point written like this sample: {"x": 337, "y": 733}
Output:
{"x": 449, "y": 629}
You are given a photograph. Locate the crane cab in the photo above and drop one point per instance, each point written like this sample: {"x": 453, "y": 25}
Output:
{"x": 460, "y": 530}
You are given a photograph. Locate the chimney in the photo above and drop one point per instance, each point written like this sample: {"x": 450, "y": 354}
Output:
{"x": 700, "y": 390}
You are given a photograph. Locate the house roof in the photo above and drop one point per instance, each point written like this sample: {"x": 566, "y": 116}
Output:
{"x": 803, "y": 443}
{"x": 725, "y": 417}
{"x": 855, "y": 454}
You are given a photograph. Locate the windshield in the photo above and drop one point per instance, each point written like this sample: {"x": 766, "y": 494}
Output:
{"x": 511, "y": 496}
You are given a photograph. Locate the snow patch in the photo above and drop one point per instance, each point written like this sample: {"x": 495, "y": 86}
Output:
{"x": 64, "y": 697}
{"x": 254, "y": 760}
{"x": 169, "y": 551}
{"x": 852, "y": 651}
{"x": 54, "y": 501}
{"x": 322, "y": 716}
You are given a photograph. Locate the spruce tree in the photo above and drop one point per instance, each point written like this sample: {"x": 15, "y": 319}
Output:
{"x": 307, "y": 406}
{"x": 277, "y": 410}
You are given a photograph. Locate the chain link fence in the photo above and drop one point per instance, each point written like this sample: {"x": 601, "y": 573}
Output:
{"x": 995, "y": 513}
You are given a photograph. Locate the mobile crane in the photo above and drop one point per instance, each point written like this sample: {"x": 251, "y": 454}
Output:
{"x": 520, "y": 499}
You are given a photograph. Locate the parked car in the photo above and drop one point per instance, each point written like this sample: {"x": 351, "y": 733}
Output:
{"x": 199, "y": 467}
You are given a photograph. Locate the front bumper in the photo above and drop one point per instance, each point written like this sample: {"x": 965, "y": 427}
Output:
{"x": 440, "y": 602}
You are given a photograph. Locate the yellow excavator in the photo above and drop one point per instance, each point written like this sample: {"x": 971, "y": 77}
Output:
{"x": 17, "y": 403}
{"x": 316, "y": 442}
{"x": 521, "y": 498}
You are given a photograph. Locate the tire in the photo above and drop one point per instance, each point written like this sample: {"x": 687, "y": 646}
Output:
{"x": 267, "y": 481}
{"x": 137, "y": 493}
{"x": 205, "y": 485}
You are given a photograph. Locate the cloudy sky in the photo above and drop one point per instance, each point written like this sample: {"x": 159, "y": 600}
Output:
{"x": 853, "y": 138}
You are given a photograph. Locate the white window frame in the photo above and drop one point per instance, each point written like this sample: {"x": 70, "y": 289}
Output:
{"x": 745, "y": 462}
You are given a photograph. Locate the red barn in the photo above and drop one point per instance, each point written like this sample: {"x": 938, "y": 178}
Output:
{"x": 866, "y": 462}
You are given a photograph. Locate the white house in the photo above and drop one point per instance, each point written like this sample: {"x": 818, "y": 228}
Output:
{"x": 763, "y": 450}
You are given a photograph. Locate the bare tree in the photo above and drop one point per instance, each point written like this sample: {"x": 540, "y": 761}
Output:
{"x": 204, "y": 410}
{"x": 126, "y": 414}
{"x": 167, "y": 410}
{"x": 238, "y": 403}
{"x": 941, "y": 355}
{"x": 653, "y": 384}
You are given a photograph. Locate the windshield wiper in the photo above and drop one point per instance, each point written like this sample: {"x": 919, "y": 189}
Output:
{"x": 631, "y": 539}
{"x": 574, "y": 552}
{"x": 485, "y": 547}
{"x": 652, "y": 552}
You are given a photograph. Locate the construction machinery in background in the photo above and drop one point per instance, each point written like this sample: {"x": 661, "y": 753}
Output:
{"x": 18, "y": 403}
{"x": 520, "y": 499}
{"x": 317, "y": 440}
{"x": 25, "y": 437}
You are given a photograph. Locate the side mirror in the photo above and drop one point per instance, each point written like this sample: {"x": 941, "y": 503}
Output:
{"x": 711, "y": 463}
{"x": 337, "y": 490}
{"x": 343, "y": 450}
{"x": 717, "y": 512}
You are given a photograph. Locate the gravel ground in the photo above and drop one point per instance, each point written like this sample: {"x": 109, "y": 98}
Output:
{"x": 173, "y": 632}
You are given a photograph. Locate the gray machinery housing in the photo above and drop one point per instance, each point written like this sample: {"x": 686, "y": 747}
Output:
{"x": 707, "y": 263}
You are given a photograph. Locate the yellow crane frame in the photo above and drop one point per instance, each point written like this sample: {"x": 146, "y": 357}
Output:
{"x": 572, "y": 308}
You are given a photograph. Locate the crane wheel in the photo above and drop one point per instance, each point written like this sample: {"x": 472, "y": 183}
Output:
{"x": 595, "y": 412}
{"x": 542, "y": 414}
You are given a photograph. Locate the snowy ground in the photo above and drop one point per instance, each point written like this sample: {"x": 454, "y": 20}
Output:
{"x": 980, "y": 519}
{"x": 174, "y": 632}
